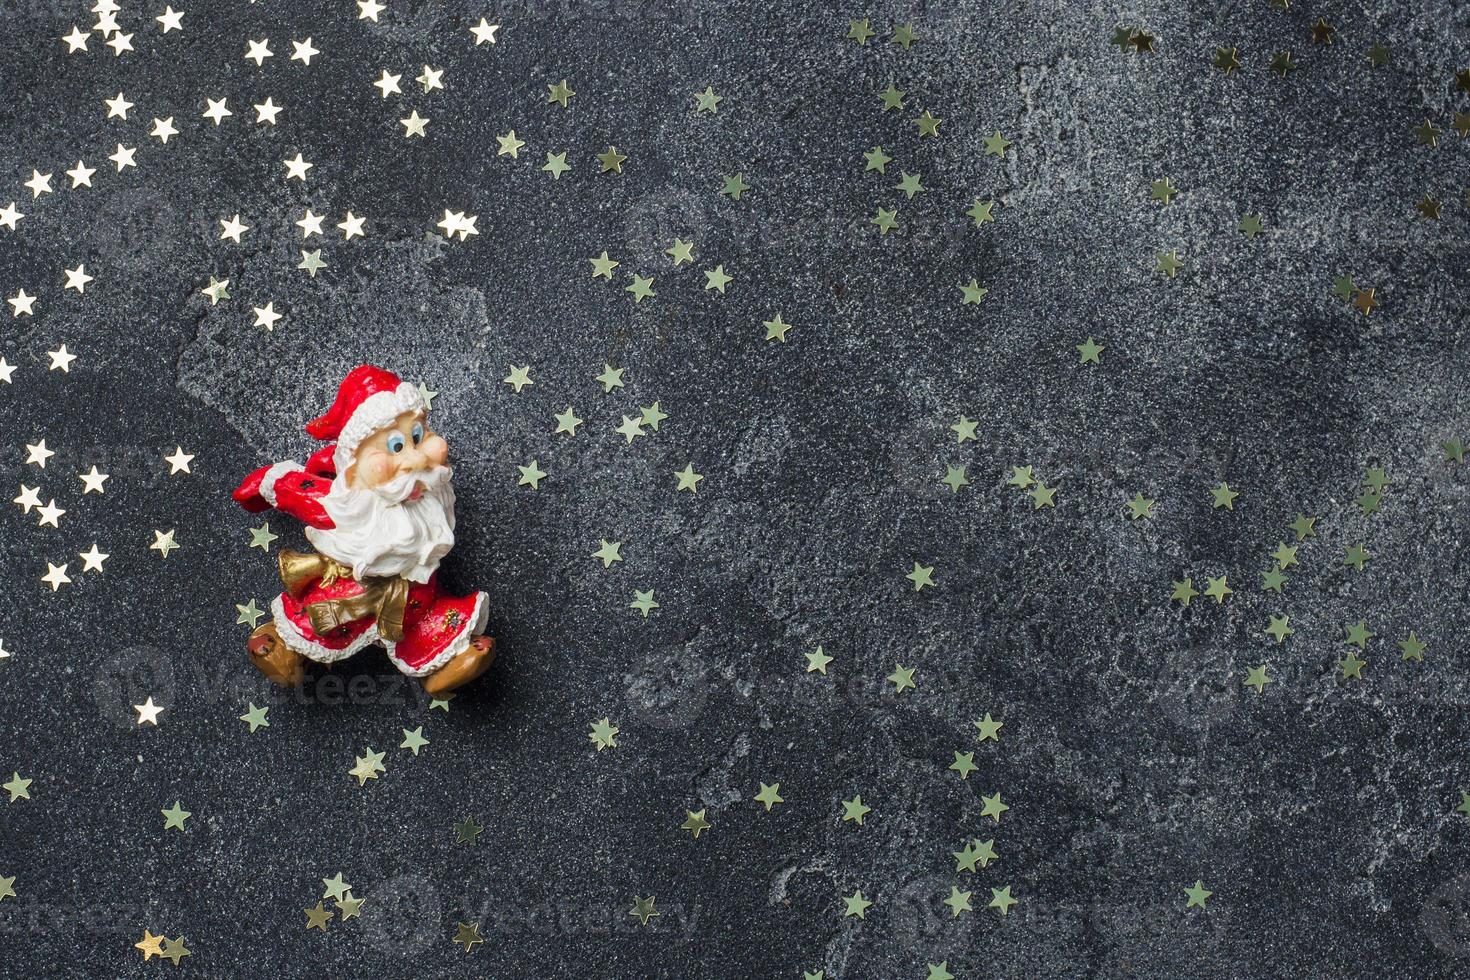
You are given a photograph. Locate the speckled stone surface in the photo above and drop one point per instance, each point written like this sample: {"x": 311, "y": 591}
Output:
{"x": 1320, "y": 813}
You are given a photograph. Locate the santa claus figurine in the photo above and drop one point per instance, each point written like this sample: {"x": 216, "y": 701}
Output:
{"x": 379, "y": 509}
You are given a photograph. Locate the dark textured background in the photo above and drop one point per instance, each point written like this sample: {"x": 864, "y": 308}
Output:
{"x": 1132, "y": 759}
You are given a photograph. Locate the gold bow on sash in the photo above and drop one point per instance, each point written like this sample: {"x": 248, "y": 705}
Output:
{"x": 381, "y": 598}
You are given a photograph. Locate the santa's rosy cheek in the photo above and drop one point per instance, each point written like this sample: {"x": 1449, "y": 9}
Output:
{"x": 380, "y": 469}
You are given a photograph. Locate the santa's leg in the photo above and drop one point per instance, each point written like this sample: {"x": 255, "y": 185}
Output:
{"x": 273, "y": 658}
{"x": 462, "y": 668}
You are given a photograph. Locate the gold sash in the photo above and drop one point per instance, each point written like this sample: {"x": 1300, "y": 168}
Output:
{"x": 382, "y": 598}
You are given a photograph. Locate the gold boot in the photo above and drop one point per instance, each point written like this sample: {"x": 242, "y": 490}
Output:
{"x": 273, "y": 658}
{"x": 462, "y": 668}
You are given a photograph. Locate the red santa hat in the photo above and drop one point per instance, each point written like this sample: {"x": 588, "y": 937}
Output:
{"x": 368, "y": 399}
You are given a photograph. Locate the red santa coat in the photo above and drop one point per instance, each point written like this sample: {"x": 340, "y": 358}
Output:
{"x": 437, "y": 626}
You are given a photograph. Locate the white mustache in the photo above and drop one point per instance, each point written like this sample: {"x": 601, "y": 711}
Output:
{"x": 398, "y": 490}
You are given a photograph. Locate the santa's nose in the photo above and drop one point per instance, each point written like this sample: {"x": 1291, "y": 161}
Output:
{"x": 434, "y": 452}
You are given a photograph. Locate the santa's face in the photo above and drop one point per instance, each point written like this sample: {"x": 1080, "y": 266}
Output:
{"x": 393, "y": 510}
{"x": 397, "y": 454}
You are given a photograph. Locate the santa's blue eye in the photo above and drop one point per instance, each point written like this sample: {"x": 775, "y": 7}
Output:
{"x": 395, "y": 443}
{"x": 418, "y": 433}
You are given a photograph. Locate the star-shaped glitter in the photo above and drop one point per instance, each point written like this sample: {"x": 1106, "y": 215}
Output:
{"x": 150, "y": 945}
{"x": 964, "y": 763}
{"x": 652, "y": 415}
{"x": 484, "y": 33}
{"x": 1223, "y": 496}
{"x": 1001, "y": 900}
{"x": 17, "y": 787}
{"x": 876, "y": 159}
{"x": 886, "y": 220}
{"x": 688, "y": 479}
{"x": 467, "y": 830}
{"x": 644, "y": 602}
{"x": 1412, "y": 648}
{"x": 694, "y": 822}
{"x": 855, "y": 809}
{"x": 732, "y": 186}
{"x": 1168, "y": 263}
{"x": 902, "y": 678}
{"x": 856, "y": 905}
{"x": 980, "y": 211}
{"x": 611, "y": 161}
{"x": 413, "y": 739}
{"x": 769, "y": 795}
{"x": 958, "y": 901}
{"x": 717, "y": 279}
{"x": 609, "y": 552}
{"x": 1021, "y": 476}
{"x": 1218, "y": 588}
{"x": 817, "y": 661}
{"x": 261, "y": 537}
{"x": 367, "y": 766}
{"x": 163, "y": 542}
{"x": 174, "y": 816}
{"x": 643, "y": 909}
{"x": 603, "y": 266}
{"x": 174, "y": 950}
{"x": 1357, "y": 556}
{"x": 707, "y": 101}
{"x": 993, "y": 807}
{"x": 971, "y": 293}
{"x": 1279, "y": 628}
{"x": 610, "y": 378}
{"x": 561, "y": 93}
{"x": 1197, "y": 893}
{"x": 519, "y": 377}
{"x": 641, "y": 288}
{"x": 928, "y": 124}
{"x": 255, "y": 717}
{"x": 1257, "y": 678}
{"x": 531, "y": 476}
{"x": 631, "y": 428}
{"x": 859, "y": 31}
{"x": 1357, "y": 634}
{"x": 1140, "y": 506}
{"x": 1303, "y": 527}
{"x": 996, "y": 144}
{"x": 989, "y": 728}
{"x": 318, "y": 917}
{"x": 248, "y": 615}
{"x": 467, "y": 934}
{"x": 1091, "y": 351}
{"x": 921, "y": 576}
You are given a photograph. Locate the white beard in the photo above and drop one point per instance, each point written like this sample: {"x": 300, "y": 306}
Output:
{"x": 382, "y": 533}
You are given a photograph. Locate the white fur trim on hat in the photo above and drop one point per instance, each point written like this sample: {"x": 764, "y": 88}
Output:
{"x": 268, "y": 482}
{"x": 376, "y": 412}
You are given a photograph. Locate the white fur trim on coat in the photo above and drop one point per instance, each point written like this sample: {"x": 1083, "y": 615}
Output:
{"x": 376, "y": 412}
{"x": 268, "y": 482}
{"x": 456, "y": 646}
{"x": 310, "y": 649}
